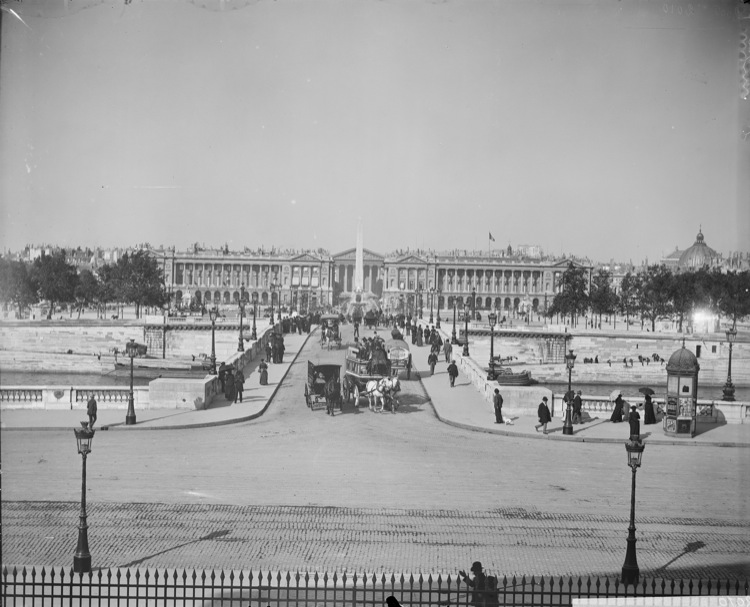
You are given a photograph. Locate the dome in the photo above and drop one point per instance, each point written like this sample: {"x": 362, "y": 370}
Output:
{"x": 698, "y": 256}
{"x": 683, "y": 362}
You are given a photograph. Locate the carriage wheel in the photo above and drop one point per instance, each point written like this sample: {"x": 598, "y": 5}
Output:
{"x": 356, "y": 395}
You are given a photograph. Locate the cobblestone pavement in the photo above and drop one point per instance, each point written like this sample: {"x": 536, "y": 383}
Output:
{"x": 297, "y": 489}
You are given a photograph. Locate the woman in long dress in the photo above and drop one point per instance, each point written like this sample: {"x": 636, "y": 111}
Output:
{"x": 649, "y": 417}
{"x": 263, "y": 368}
{"x": 634, "y": 419}
{"x": 617, "y": 413}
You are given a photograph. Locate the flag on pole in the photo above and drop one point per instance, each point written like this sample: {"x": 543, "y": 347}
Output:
{"x": 492, "y": 239}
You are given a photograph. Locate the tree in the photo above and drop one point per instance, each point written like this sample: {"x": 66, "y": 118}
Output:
{"x": 17, "y": 285}
{"x": 682, "y": 295}
{"x": 87, "y": 289}
{"x": 139, "y": 281}
{"x": 733, "y": 295}
{"x": 572, "y": 298}
{"x": 630, "y": 295}
{"x": 56, "y": 279}
{"x": 602, "y": 297}
{"x": 655, "y": 294}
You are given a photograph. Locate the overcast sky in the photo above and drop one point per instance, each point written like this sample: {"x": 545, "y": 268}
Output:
{"x": 607, "y": 129}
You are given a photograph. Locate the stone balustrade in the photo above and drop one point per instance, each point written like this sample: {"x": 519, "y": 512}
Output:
{"x": 64, "y": 398}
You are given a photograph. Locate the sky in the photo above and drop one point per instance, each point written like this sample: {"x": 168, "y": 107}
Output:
{"x": 603, "y": 129}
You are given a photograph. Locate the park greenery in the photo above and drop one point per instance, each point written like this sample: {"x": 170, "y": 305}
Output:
{"x": 53, "y": 281}
{"x": 652, "y": 295}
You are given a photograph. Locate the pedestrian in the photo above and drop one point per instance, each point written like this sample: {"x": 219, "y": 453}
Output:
{"x": 239, "y": 384}
{"x": 91, "y": 411}
{"x": 263, "y": 369}
{"x": 634, "y": 419}
{"x": 577, "y": 406}
{"x": 432, "y": 361}
{"x": 544, "y": 415}
{"x": 420, "y": 336}
{"x": 392, "y": 602}
{"x": 484, "y": 593}
{"x": 649, "y": 417}
{"x": 408, "y": 367}
{"x": 268, "y": 352}
{"x": 447, "y": 350}
{"x": 617, "y": 412}
{"x": 452, "y": 373}
{"x": 497, "y": 401}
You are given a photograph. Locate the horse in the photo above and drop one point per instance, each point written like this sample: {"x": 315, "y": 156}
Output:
{"x": 332, "y": 393}
{"x": 384, "y": 390}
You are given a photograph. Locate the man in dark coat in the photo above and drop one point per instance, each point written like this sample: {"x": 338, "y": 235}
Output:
{"x": 269, "y": 352}
{"x": 448, "y": 350}
{"x": 497, "y": 402}
{"x": 91, "y": 411}
{"x": 452, "y": 373}
{"x": 239, "y": 384}
{"x": 432, "y": 361}
{"x": 544, "y": 415}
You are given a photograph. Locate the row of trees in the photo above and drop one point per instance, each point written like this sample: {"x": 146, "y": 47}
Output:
{"x": 135, "y": 279}
{"x": 654, "y": 294}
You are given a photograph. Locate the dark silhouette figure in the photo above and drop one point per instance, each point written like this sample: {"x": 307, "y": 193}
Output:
{"x": 544, "y": 415}
{"x": 452, "y": 373}
{"x": 617, "y": 413}
{"x": 497, "y": 402}
{"x": 392, "y": 602}
{"x": 634, "y": 419}
{"x": 649, "y": 416}
{"x": 484, "y": 593}
{"x": 91, "y": 411}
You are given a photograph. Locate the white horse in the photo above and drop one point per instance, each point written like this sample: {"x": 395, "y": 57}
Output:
{"x": 382, "y": 390}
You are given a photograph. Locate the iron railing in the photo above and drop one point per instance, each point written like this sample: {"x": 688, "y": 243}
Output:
{"x": 50, "y": 586}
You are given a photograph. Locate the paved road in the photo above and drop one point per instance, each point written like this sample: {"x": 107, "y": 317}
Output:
{"x": 297, "y": 489}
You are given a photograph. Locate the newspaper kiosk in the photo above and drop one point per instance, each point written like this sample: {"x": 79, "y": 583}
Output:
{"x": 682, "y": 394}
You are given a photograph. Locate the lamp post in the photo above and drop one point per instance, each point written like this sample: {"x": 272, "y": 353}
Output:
{"x": 466, "y": 330}
{"x": 240, "y": 342}
{"x": 473, "y": 303}
{"x": 419, "y": 295}
{"x": 254, "y": 334}
{"x": 570, "y": 361}
{"x": 492, "y": 317}
{"x": 630, "y": 567}
{"x": 439, "y": 294}
{"x": 273, "y": 288}
{"x": 454, "y": 340}
{"x": 82, "y": 557}
{"x": 131, "y": 350}
{"x": 213, "y": 314}
{"x": 432, "y": 300}
{"x": 729, "y": 386}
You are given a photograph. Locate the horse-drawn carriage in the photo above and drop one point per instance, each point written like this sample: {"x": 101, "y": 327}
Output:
{"x": 374, "y": 377}
{"x": 330, "y": 335}
{"x": 323, "y": 386}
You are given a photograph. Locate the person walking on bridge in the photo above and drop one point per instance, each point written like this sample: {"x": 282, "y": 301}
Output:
{"x": 452, "y": 373}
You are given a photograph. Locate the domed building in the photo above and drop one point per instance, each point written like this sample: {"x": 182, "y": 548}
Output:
{"x": 700, "y": 255}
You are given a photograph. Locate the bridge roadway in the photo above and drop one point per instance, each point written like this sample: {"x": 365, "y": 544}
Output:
{"x": 298, "y": 490}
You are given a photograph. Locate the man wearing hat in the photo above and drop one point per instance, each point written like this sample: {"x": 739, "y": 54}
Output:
{"x": 544, "y": 415}
{"x": 483, "y": 594}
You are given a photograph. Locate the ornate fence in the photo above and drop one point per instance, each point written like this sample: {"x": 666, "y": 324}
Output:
{"x": 204, "y": 588}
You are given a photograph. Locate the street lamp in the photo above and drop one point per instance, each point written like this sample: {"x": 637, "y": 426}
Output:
{"x": 254, "y": 334}
{"x": 132, "y": 350}
{"x": 729, "y": 386}
{"x": 82, "y": 557}
{"x": 273, "y": 288}
{"x": 241, "y": 343}
{"x": 432, "y": 300}
{"x": 454, "y": 340}
{"x": 570, "y": 361}
{"x": 419, "y": 295}
{"x": 213, "y": 314}
{"x": 439, "y": 293}
{"x": 466, "y": 330}
{"x": 473, "y": 303}
{"x": 630, "y": 567}
{"x": 492, "y": 317}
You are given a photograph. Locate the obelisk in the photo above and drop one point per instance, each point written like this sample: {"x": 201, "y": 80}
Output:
{"x": 359, "y": 274}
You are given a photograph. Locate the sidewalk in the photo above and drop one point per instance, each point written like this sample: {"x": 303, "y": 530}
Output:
{"x": 461, "y": 406}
